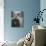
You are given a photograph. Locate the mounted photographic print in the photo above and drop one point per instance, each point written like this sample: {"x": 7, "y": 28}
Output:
{"x": 17, "y": 19}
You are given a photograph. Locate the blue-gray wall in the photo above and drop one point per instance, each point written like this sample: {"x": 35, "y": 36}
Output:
{"x": 29, "y": 7}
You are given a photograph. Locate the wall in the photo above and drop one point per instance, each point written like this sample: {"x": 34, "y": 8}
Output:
{"x": 29, "y": 7}
{"x": 43, "y": 6}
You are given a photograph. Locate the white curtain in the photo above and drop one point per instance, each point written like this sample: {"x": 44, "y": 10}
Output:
{"x": 1, "y": 20}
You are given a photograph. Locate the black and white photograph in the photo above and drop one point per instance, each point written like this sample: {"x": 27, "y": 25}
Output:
{"x": 17, "y": 18}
